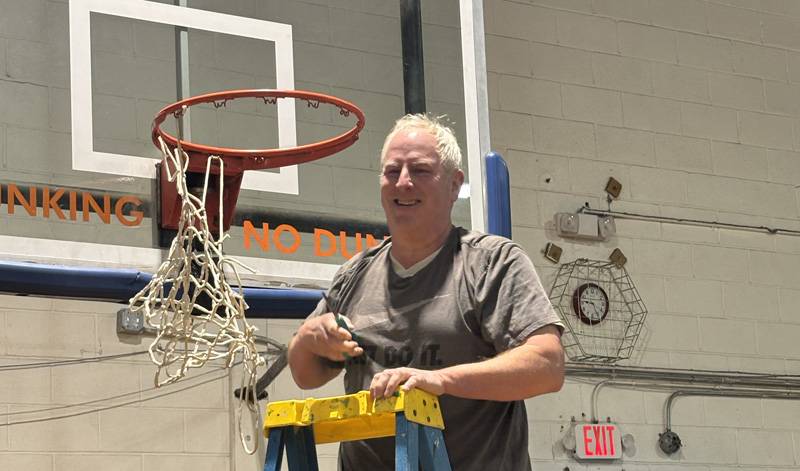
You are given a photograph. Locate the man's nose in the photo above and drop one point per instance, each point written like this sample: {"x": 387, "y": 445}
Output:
{"x": 405, "y": 178}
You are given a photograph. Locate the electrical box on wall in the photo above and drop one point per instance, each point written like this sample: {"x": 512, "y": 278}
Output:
{"x": 584, "y": 226}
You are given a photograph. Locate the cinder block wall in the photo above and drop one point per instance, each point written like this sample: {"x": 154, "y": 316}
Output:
{"x": 692, "y": 105}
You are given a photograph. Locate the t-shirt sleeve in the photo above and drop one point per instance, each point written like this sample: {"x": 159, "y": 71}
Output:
{"x": 512, "y": 303}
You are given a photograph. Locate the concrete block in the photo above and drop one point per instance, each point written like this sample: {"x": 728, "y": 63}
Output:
{"x": 546, "y": 61}
{"x": 631, "y": 10}
{"x": 24, "y": 386}
{"x": 774, "y": 269}
{"x": 672, "y": 333}
{"x": 719, "y": 263}
{"x": 187, "y": 462}
{"x": 140, "y": 77}
{"x": 622, "y": 73}
{"x": 705, "y": 52}
{"x": 112, "y": 34}
{"x": 736, "y": 91}
{"x": 117, "y": 434}
{"x": 592, "y": 104}
{"x": 682, "y": 153}
{"x": 37, "y": 63}
{"x": 34, "y": 113}
{"x": 529, "y": 96}
{"x": 323, "y": 24}
{"x": 590, "y": 176}
{"x": 751, "y": 301}
{"x": 709, "y": 445}
{"x": 539, "y": 171}
{"x": 781, "y": 31}
{"x": 511, "y": 56}
{"x": 794, "y": 66}
{"x": 622, "y": 405}
{"x": 783, "y": 166}
{"x": 27, "y": 461}
{"x": 96, "y": 381}
{"x": 446, "y": 82}
{"x": 355, "y": 188}
{"x": 114, "y": 117}
{"x": 710, "y": 122}
{"x": 690, "y": 296}
{"x": 656, "y": 185}
{"x": 651, "y": 113}
{"x": 778, "y": 339}
{"x": 789, "y": 299}
{"x": 438, "y": 13}
{"x": 555, "y": 407}
{"x": 686, "y": 410}
{"x": 561, "y": 137}
{"x": 734, "y": 23}
{"x": 766, "y": 130}
{"x": 673, "y": 81}
{"x": 540, "y": 443}
{"x": 157, "y": 40}
{"x": 78, "y": 433}
{"x": 727, "y": 336}
{"x": 584, "y": 6}
{"x": 210, "y": 431}
{"x": 740, "y": 196}
{"x": 685, "y": 15}
{"x": 363, "y": 32}
{"x": 732, "y": 412}
{"x": 781, "y": 7}
{"x": 759, "y": 61}
{"x": 80, "y": 462}
{"x": 511, "y": 130}
{"x": 587, "y": 32}
{"x": 739, "y": 161}
{"x": 702, "y": 361}
{"x": 780, "y": 414}
{"x": 522, "y": 21}
{"x": 757, "y": 447}
{"x": 50, "y": 334}
{"x": 651, "y": 289}
{"x": 524, "y": 207}
{"x": 211, "y": 395}
{"x": 647, "y": 42}
{"x": 625, "y": 146}
{"x": 756, "y": 363}
{"x": 781, "y": 98}
{"x": 661, "y": 258}
{"x": 443, "y": 45}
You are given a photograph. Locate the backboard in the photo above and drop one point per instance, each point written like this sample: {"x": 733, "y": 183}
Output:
{"x": 84, "y": 78}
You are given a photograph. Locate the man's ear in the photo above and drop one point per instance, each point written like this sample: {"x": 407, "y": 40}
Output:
{"x": 456, "y": 182}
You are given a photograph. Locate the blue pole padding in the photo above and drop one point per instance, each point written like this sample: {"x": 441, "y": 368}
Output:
{"x": 498, "y": 199}
{"x": 119, "y": 285}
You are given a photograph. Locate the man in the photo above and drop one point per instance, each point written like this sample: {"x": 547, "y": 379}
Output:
{"x": 453, "y": 312}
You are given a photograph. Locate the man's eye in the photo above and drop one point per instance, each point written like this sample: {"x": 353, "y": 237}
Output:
{"x": 391, "y": 172}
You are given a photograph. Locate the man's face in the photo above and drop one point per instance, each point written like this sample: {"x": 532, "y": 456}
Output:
{"x": 417, "y": 193}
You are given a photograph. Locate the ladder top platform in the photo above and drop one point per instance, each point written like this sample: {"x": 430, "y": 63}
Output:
{"x": 355, "y": 416}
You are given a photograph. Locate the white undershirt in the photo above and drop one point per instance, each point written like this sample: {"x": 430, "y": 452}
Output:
{"x": 415, "y": 268}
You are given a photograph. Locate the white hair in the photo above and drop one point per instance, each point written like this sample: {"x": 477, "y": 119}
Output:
{"x": 446, "y": 143}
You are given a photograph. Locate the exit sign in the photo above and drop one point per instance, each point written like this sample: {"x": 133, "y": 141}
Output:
{"x": 598, "y": 442}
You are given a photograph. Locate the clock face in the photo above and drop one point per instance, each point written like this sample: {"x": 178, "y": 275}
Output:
{"x": 590, "y": 303}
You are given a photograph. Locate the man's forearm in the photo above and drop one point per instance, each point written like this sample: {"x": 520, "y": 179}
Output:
{"x": 308, "y": 370}
{"x": 526, "y": 371}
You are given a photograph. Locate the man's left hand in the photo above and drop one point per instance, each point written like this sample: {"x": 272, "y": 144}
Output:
{"x": 385, "y": 383}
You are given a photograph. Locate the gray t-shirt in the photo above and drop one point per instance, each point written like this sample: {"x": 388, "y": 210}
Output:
{"x": 478, "y": 297}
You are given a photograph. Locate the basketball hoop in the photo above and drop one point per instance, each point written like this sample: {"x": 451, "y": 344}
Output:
{"x": 198, "y": 315}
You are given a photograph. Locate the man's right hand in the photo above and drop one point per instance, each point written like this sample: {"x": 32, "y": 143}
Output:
{"x": 323, "y": 337}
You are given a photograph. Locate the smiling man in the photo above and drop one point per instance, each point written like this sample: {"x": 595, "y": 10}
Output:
{"x": 457, "y": 313}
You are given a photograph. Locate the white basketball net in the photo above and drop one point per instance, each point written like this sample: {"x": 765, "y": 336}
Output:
{"x": 198, "y": 316}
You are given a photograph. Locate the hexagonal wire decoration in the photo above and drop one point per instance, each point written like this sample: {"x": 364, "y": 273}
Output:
{"x": 591, "y": 339}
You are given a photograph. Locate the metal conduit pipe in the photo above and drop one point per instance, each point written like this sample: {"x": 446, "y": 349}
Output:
{"x": 684, "y": 377}
{"x": 794, "y": 395}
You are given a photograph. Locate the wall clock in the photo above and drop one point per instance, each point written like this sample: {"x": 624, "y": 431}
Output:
{"x": 590, "y": 303}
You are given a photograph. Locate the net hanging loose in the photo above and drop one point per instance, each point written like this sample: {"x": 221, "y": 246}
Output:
{"x": 197, "y": 314}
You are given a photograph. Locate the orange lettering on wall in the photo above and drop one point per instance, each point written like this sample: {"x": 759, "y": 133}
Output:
{"x": 250, "y": 232}
{"x": 371, "y": 242}
{"x": 73, "y": 206}
{"x": 277, "y": 238}
{"x": 343, "y": 240}
{"x": 14, "y": 194}
{"x": 51, "y": 202}
{"x": 104, "y": 213}
{"x": 137, "y": 215}
{"x": 318, "y": 235}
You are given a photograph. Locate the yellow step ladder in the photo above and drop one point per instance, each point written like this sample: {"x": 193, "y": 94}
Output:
{"x": 412, "y": 417}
